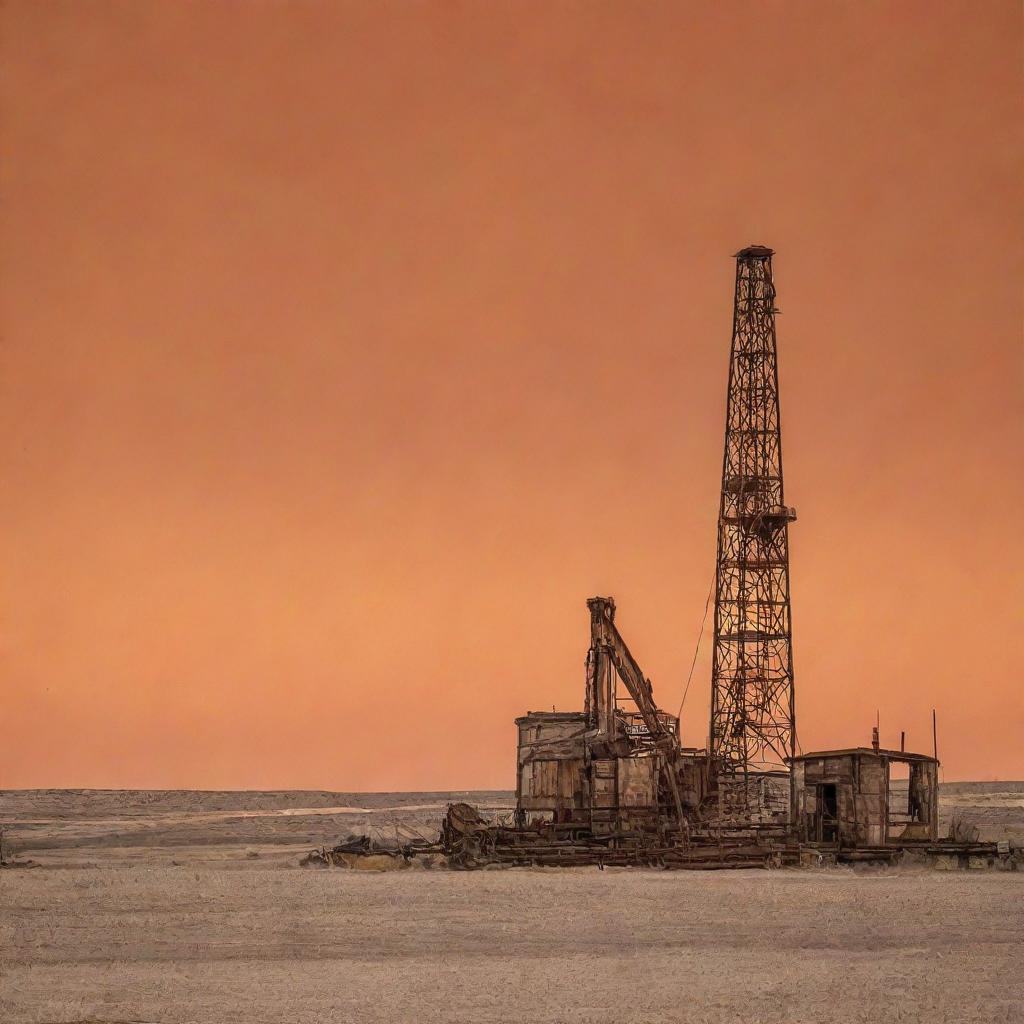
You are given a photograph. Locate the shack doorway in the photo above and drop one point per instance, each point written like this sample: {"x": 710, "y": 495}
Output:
{"x": 828, "y": 813}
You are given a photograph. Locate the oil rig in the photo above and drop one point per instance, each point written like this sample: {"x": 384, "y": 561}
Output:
{"x": 613, "y": 783}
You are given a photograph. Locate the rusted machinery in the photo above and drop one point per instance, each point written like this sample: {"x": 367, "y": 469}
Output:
{"x": 618, "y": 764}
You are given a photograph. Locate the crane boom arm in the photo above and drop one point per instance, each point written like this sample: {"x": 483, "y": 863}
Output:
{"x": 606, "y": 642}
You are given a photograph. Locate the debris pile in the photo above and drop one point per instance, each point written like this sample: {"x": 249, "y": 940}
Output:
{"x": 467, "y": 841}
{"x": 405, "y": 848}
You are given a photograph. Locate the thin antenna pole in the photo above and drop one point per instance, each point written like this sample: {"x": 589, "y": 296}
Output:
{"x": 935, "y": 737}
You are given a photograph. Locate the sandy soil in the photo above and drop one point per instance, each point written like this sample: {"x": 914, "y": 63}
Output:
{"x": 193, "y": 910}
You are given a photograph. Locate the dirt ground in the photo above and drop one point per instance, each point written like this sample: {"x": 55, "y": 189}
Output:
{"x": 191, "y": 907}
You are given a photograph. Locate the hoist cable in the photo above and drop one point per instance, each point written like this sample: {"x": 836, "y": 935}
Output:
{"x": 693, "y": 664}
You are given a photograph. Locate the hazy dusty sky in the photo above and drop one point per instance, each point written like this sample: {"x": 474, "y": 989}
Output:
{"x": 348, "y": 348}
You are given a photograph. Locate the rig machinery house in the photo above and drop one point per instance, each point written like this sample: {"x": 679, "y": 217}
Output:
{"x": 615, "y": 765}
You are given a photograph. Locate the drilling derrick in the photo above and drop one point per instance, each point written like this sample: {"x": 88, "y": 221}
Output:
{"x": 753, "y": 725}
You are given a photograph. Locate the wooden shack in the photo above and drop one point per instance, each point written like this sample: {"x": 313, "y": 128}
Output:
{"x": 864, "y": 796}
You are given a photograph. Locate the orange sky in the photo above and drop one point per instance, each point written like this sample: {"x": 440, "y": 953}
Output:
{"x": 348, "y": 348}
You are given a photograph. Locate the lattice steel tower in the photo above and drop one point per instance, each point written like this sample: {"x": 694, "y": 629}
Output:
{"x": 753, "y": 726}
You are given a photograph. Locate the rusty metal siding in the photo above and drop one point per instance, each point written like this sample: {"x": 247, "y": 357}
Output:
{"x": 638, "y": 782}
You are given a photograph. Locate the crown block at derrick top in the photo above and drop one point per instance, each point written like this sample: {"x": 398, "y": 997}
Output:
{"x": 755, "y": 252}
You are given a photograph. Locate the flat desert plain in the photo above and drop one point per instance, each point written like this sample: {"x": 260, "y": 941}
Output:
{"x": 187, "y": 906}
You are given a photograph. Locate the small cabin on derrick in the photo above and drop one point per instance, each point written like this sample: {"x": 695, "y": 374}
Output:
{"x": 864, "y": 796}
